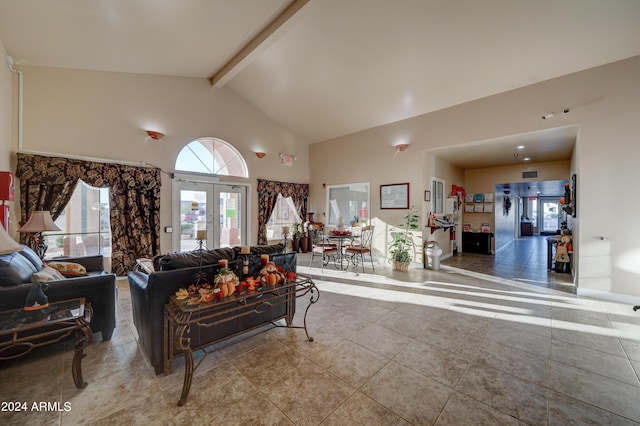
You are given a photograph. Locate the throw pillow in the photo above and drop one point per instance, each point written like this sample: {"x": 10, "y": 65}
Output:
{"x": 69, "y": 269}
{"x": 46, "y": 274}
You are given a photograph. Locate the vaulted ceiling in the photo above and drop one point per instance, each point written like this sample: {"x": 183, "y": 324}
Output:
{"x": 326, "y": 68}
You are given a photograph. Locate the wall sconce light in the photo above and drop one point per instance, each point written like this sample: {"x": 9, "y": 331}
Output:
{"x": 260, "y": 154}
{"x": 402, "y": 147}
{"x": 155, "y": 135}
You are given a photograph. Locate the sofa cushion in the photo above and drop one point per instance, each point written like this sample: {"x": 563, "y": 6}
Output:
{"x": 31, "y": 256}
{"x": 190, "y": 259}
{"x": 69, "y": 269}
{"x": 46, "y": 274}
{"x": 15, "y": 269}
{"x": 264, "y": 249}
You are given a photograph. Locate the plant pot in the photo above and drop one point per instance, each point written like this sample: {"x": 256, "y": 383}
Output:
{"x": 295, "y": 245}
{"x": 401, "y": 266}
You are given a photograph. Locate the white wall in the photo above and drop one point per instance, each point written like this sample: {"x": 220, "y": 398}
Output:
{"x": 604, "y": 103}
{"x": 104, "y": 115}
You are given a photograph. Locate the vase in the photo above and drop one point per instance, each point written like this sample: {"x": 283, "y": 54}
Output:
{"x": 401, "y": 266}
{"x": 304, "y": 244}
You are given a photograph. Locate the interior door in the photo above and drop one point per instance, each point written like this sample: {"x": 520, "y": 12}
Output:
{"x": 213, "y": 213}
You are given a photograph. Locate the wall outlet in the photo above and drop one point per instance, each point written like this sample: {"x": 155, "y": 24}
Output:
{"x": 168, "y": 229}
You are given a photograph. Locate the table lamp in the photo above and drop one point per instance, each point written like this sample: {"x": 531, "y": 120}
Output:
{"x": 8, "y": 244}
{"x": 39, "y": 221}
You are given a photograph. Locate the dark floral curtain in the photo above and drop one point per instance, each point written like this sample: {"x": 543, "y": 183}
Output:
{"x": 47, "y": 183}
{"x": 268, "y": 191}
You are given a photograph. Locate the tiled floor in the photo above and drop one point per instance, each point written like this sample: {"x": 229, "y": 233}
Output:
{"x": 447, "y": 347}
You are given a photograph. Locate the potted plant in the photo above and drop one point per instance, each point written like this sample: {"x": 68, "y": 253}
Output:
{"x": 402, "y": 247}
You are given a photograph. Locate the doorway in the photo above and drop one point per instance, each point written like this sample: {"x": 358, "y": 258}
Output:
{"x": 214, "y": 213}
{"x": 549, "y": 220}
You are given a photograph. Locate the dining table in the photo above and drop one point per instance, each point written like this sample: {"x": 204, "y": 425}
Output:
{"x": 339, "y": 237}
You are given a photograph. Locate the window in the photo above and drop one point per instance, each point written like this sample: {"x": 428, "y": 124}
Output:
{"x": 84, "y": 223}
{"x": 351, "y": 202}
{"x": 211, "y": 156}
{"x": 284, "y": 214}
{"x": 437, "y": 196}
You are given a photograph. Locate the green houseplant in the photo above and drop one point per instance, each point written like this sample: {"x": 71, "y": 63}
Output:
{"x": 402, "y": 247}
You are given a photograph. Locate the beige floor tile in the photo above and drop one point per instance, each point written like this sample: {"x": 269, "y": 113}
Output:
{"x": 522, "y": 364}
{"x": 566, "y": 411}
{"x": 410, "y": 395}
{"x": 381, "y": 340}
{"x": 451, "y": 340}
{"x": 506, "y": 393}
{"x": 439, "y": 364}
{"x": 608, "y": 394}
{"x": 515, "y": 338}
{"x": 360, "y": 410}
{"x": 614, "y": 367}
{"x": 308, "y": 394}
{"x": 464, "y": 411}
{"x": 350, "y": 362}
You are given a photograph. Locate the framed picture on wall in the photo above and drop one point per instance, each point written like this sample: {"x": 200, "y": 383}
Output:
{"x": 478, "y": 198}
{"x": 468, "y": 198}
{"x": 468, "y": 208}
{"x": 488, "y": 197}
{"x": 394, "y": 196}
{"x": 479, "y": 208}
{"x": 488, "y": 207}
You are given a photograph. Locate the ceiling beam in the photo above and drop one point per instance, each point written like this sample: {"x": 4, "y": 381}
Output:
{"x": 255, "y": 46}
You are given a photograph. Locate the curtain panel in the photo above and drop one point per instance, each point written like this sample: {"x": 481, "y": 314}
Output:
{"x": 268, "y": 191}
{"x": 47, "y": 183}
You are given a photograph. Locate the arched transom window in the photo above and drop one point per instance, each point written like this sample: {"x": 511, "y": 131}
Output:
{"x": 211, "y": 156}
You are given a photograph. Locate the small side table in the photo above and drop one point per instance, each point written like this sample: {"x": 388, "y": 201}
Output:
{"x": 22, "y": 331}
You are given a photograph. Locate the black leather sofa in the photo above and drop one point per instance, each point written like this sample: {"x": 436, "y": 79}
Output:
{"x": 150, "y": 292}
{"x": 98, "y": 287}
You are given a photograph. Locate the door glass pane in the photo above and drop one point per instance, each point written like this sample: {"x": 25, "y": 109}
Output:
{"x": 230, "y": 218}
{"x": 193, "y": 216}
{"x": 550, "y": 219}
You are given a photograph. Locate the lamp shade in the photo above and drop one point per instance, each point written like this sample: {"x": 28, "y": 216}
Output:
{"x": 8, "y": 244}
{"x": 39, "y": 221}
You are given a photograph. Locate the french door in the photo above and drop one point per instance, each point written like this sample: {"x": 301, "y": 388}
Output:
{"x": 213, "y": 213}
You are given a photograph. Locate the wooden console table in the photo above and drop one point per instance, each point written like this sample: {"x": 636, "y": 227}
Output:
{"x": 178, "y": 317}
{"x": 22, "y": 331}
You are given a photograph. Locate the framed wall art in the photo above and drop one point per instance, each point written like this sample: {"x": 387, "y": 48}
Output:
{"x": 394, "y": 196}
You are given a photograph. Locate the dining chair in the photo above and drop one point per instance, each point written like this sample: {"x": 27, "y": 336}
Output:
{"x": 356, "y": 233}
{"x": 322, "y": 246}
{"x": 357, "y": 251}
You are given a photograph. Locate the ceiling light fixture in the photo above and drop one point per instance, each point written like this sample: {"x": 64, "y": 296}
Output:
{"x": 526, "y": 159}
{"x": 520, "y": 147}
{"x": 547, "y": 116}
{"x": 155, "y": 135}
{"x": 260, "y": 154}
{"x": 402, "y": 147}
